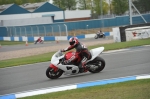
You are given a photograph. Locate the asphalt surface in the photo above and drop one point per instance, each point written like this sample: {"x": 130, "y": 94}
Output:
{"x": 118, "y": 64}
{"x": 6, "y": 48}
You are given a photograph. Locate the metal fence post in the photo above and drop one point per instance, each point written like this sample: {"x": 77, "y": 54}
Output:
{"x": 31, "y": 30}
{"x": 10, "y": 32}
{"x": 38, "y": 30}
{"x": 101, "y": 2}
{"x": 14, "y": 31}
{"x": 52, "y": 30}
{"x": 87, "y": 28}
{"x": 20, "y": 31}
{"x": 59, "y": 30}
{"x": 44, "y": 30}
{"x": 7, "y": 31}
{"x": 66, "y": 29}
{"x": 25, "y": 31}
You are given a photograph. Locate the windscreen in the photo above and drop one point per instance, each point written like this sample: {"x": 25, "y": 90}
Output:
{"x": 58, "y": 54}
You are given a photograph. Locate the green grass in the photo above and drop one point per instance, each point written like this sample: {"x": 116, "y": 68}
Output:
{"x": 121, "y": 45}
{"x": 137, "y": 89}
{"x": 47, "y": 56}
{"x": 11, "y": 42}
{"x": 26, "y": 60}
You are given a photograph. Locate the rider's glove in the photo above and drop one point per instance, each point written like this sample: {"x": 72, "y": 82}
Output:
{"x": 62, "y": 50}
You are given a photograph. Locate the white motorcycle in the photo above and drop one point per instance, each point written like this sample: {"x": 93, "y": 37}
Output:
{"x": 98, "y": 35}
{"x": 57, "y": 66}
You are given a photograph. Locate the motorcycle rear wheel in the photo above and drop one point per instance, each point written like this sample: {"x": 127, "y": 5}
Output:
{"x": 50, "y": 73}
{"x": 100, "y": 62}
{"x": 104, "y": 36}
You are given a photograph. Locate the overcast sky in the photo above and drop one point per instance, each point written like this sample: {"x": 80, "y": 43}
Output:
{"x": 50, "y": 1}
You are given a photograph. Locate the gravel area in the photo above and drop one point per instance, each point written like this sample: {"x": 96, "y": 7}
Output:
{"x": 41, "y": 50}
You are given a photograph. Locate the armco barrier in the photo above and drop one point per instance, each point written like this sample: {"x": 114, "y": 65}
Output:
{"x": 74, "y": 86}
{"x": 49, "y": 38}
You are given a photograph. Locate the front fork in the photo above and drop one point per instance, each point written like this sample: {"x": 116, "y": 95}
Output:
{"x": 54, "y": 67}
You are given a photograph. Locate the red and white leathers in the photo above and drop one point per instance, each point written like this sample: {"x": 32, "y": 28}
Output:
{"x": 39, "y": 39}
{"x": 81, "y": 50}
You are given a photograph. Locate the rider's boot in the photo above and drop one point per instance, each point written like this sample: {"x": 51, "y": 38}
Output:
{"x": 83, "y": 68}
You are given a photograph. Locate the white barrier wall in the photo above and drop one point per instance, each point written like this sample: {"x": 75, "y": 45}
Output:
{"x": 137, "y": 33}
{"x": 77, "y": 14}
{"x": 90, "y": 35}
{"x": 116, "y": 34}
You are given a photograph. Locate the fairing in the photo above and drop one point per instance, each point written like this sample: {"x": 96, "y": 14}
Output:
{"x": 73, "y": 56}
{"x": 58, "y": 55}
{"x": 68, "y": 55}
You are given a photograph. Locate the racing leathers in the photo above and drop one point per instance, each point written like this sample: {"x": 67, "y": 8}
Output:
{"x": 83, "y": 53}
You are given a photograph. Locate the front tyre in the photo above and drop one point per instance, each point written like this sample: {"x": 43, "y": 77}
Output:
{"x": 50, "y": 73}
{"x": 35, "y": 42}
{"x": 96, "y": 36}
{"x": 98, "y": 64}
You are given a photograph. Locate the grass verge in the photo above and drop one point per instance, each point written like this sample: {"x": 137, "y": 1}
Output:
{"x": 11, "y": 42}
{"x": 137, "y": 89}
{"x": 47, "y": 56}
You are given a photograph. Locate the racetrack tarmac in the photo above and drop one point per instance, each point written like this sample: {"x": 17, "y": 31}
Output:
{"x": 17, "y": 51}
{"x": 135, "y": 61}
{"x": 6, "y": 48}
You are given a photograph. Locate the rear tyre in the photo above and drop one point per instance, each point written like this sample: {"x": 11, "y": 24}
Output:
{"x": 50, "y": 73}
{"x": 99, "y": 64}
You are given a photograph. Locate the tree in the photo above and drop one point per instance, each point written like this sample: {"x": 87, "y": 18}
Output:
{"x": 19, "y": 2}
{"x": 94, "y": 6}
{"x": 3, "y": 2}
{"x": 97, "y": 7}
{"x": 58, "y": 3}
{"x": 142, "y": 5}
{"x": 84, "y": 4}
{"x": 119, "y": 7}
{"x": 65, "y": 4}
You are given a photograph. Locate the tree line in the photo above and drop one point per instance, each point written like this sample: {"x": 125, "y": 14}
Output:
{"x": 19, "y": 2}
{"x": 117, "y": 7}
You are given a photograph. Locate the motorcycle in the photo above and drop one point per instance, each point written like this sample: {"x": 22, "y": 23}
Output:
{"x": 39, "y": 41}
{"x": 57, "y": 66}
{"x": 98, "y": 35}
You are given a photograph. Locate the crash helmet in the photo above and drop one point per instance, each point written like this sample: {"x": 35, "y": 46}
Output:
{"x": 73, "y": 41}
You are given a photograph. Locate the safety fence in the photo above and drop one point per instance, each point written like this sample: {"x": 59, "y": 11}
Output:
{"x": 70, "y": 28}
{"x": 49, "y": 38}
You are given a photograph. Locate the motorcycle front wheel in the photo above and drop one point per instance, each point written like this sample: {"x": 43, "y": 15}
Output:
{"x": 35, "y": 42}
{"x": 96, "y": 36}
{"x": 98, "y": 64}
{"x": 50, "y": 73}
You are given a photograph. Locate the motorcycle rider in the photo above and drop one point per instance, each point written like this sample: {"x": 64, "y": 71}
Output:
{"x": 100, "y": 32}
{"x": 81, "y": 50}
{"x": 38, "y": 40}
